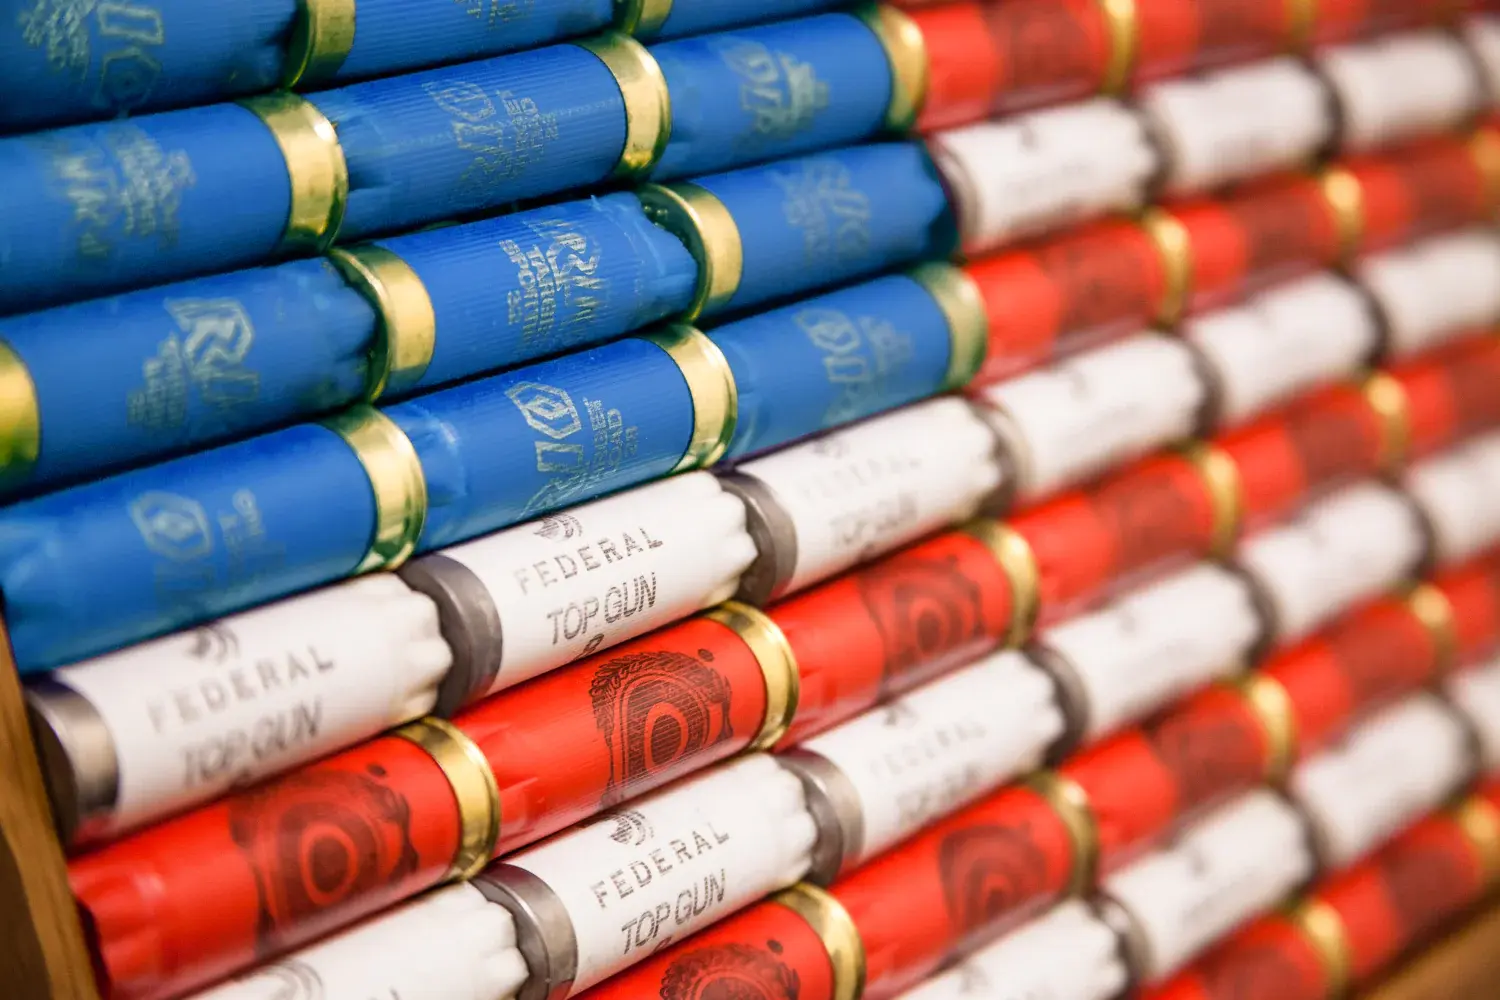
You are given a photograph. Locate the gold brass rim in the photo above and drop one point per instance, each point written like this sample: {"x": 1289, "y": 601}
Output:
{"x": 648, "y": 104}
{"x": 321, "y": 40}
{"x": 906, "y": 51}
{"x": 778, "y": 665}
{"x": 1480, "y": 823}
{"x": 838, "y": 932}
{"x": 709, "y": 232}
{"x": 474, "y": 786}
{"x": 1302, "y": 20}
{"x": 1273, "y": 710}
{"x": 1071, "y": 804}
{"x": 20, "y": 418}
{"x": 1342, "y": 191}
{"x": 710, "y": 382}
{"x": 1431, "y": 607}
{"x": 1322, "y": 927}
{"x": 962, "y": 306}
{"x": 395, "y": 474}
{"x": 408, "y": 324}
{"x": 315, "y": 167}
{"x": 1225, "y": 491}
{"x": 1385, "y": 395}
{"x": 1016, "y": 560}
{"x": 1170, "y": 238}
{"x": 641, "y": 18}
{"x": 1124, "y": 31}
{"x": 1484, "y": 145}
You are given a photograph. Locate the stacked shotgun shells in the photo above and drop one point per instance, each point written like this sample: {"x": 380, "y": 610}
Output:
{"x": 977, "y": 499}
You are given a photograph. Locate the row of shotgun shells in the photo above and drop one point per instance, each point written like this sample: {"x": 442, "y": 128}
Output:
{"x": 309, "y": 171}
{"x": 435, "y": 792}
{"x": 505, "y": 609}
{"x": 986, "y": 56}
{"x": 384, "y": 321}
{"x": 1353, "y": 927}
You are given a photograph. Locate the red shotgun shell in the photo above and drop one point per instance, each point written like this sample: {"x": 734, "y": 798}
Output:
{"x": 1362, "y": 662}
{"x": 1219, "y": 251}
{"x": 260, "y": 871}
{"x": 1162, "y": 511}
{"x": 967, "y": 879}
{"x": 1142, "y": 783}
{"x": 585, "y": 738}
{"x": 987, "y": 57}
{"x": 1299, "y": 956}
{"x": 1348, "y": 20}
{"x": 1174, "y": 36}
{"x": 798, "y": 945}
{"x": 1326, "y": 438}
{"x": 1452, "y": 393}
{"x": 1473, "y": 592}
{"x": 892, "y": 624}
{"x": 1066, "y": 293}
{"x": 1395, "y": 198}
{"x": 1415, "y": 884}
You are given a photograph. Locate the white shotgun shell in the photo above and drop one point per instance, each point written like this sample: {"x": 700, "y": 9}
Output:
{"x": 1399, "y": 87}
{"x": 137, "y": 734}
{"x": 1433, "y": 291}
{"x": 1458, "y": 493}
{"x": 822, "y": 506}
{"x": 534, "y": 597}
{"x": 1476, "y": 695}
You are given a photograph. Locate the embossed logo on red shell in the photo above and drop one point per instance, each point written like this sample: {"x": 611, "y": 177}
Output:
{"x": 731, "y": 972}
{"x": 654, "y": 710}
{"x": 1426, "y": 885}
{"x": 990, "y": 872}
{"x": 1148, "y": 517}
{"x": 1098, "y": 282}
{"x": 1253, "y": 972}
{"x": 317, "y": 838}
{"x": 925, "y": 610}
{"x": 1042, "y": 44}
{"x": 1207, "y": 754}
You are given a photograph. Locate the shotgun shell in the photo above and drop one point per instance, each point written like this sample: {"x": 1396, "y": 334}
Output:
{"x": 1180, "y": 35}
{"x": 272, "y": 867}
{"x": 132, "y": 736}
{"x": 1476, "y": 695}
{"x": 617, "y": 724}
{"x": 601, "y": 897}
{"x": 452, "y": 942}
{"x": 989, "y": 58}
{"x": 1455, "y": 491}
{"x": 1397, "y": 766}
{"x": 1433, "y": 291}
{"x": 1263, "y": 233}
{"x": 1296, "y": 956}
{"x": 966, "y": 880}
{"x": 1417, "y": 883}
{"x": 1147, "y": 649}
{"x": 1472, "y": 591}
{"x": 1399, "y": 88}
{"x": 1450, "y": 393}
{"x": 904, "y": 764}
{"x": 1341, "y": 550}
{"x": 1144, "y": 519}
{"x": 1075, "y": 419}
{"x": 1249, "y": 121}
{"x": 1021, "y": 177}
{"x": 1064, "y": 293}
{"x": 1068, "y": 952}
{"x": 817, "y": 508}
{"x": 850, "y": 354}
{"x": 1225, "y": 869}
{"x": 1384, "y": 651}
{"x": 888, "y": 626}
{"x": 1142, "y": 783}
{"x": 798, "y": 945}
{"x": 1284, "y": 342}
{"x": 1395, "y": 198}
{"x": 532, "y": 598}
{"x": 1324, "y": 439}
